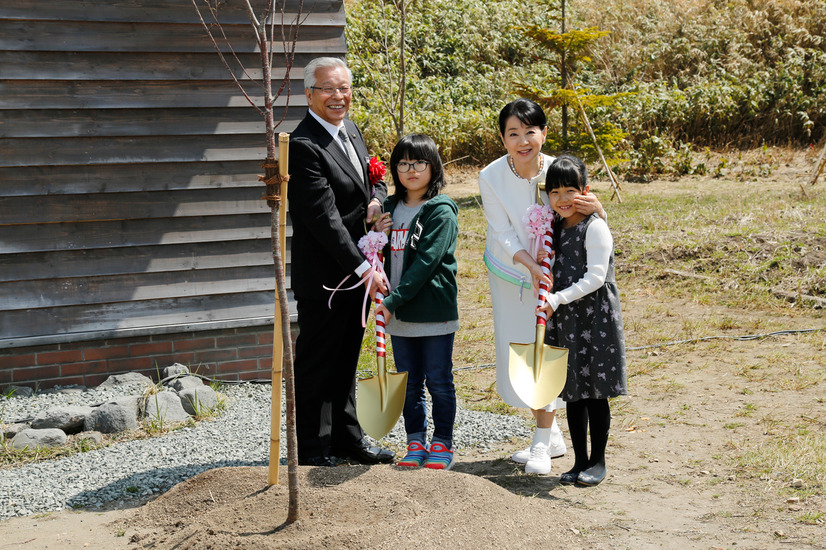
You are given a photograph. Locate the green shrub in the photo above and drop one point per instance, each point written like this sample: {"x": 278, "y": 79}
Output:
{"x": 462, "y": 56}
{"x": 713, "y": 72}
{"x": 695, "y": 73}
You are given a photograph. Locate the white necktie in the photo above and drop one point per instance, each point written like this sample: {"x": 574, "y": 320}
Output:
{"x": 351, "y": 152}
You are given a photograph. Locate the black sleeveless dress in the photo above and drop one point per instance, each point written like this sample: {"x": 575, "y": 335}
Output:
{"x": 590, "y": 327}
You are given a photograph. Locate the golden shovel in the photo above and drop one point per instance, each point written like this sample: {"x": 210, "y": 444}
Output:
{"x": 380, "y": 398}
{"x": 538, "y": 371}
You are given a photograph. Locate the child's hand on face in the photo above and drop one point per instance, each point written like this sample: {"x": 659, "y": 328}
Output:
{"x": 384, "y": 224}
{"x": 380, "y": 309}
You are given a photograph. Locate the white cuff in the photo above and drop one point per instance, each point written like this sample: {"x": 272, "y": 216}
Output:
{"x": 360, "y": 270}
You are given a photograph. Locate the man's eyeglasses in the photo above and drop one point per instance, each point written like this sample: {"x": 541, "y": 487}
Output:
{"x": 329, "y": 90}
{"x": 418, "y": 166}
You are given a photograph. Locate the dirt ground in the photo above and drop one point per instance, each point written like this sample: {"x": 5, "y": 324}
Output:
{"x": 672, "y": 482}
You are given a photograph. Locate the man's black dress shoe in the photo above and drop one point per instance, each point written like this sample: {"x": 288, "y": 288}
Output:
{"x": 315, "y": 461}
{"x": 365, "y": 453}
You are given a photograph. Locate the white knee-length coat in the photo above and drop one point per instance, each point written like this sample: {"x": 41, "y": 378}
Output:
{"x": 505, "y": 199}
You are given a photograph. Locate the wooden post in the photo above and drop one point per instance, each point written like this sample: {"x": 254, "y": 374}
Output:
{"x": 614, "y": 183}
{"x": 276, "y": 196}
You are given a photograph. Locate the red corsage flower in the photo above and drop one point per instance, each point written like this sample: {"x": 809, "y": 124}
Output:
{"x": 376, "y": 170}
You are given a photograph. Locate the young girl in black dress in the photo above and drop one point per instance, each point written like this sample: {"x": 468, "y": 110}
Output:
{"x": 584, "y": 317}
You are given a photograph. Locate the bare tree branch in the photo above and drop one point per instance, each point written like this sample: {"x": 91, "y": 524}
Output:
{"x": 223, "y": 59}
{"x": 253, "y": 20}
{"x": 289, "y": 55}
{"x": 214, "y": 12}
{"x": 276, "y": 189}
{"x": 391, "y": 110}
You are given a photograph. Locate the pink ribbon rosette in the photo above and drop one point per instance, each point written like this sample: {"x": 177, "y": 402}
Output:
{"x": 371, "y": 246}
{"x": 539, "y": 221}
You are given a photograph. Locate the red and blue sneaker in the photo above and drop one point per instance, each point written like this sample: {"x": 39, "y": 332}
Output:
{"x": 416, "y": 455}
{"x": 441, "y": 458}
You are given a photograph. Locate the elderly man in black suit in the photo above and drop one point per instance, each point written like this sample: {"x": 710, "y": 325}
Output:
{"x": 331, "y": 202}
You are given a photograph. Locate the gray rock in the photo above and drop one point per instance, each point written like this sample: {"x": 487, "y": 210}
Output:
{"x": 200, "y": 400}
{"x": 175, "y": 370}
{"x": 70, "y": 419}
{"x": 111, "y": 418}
{"x": 37, "y": 439}
{"x": 185, "y": 383}
{"x": 132, "y": 403}
{"x": 18, "y": 391}
{"x": 127, "y": 378}
{"x": 93, "y": 438}
{"x": 164, "y": 407}
{"x": 13, "y": 429}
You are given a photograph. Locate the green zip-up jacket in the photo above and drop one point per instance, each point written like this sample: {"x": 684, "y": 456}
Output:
{"x": 427, "y": 291}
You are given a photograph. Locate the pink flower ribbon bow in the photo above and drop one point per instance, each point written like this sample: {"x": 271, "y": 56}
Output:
{"x": 538, "y": 219}
{"x": 371, "y": 246}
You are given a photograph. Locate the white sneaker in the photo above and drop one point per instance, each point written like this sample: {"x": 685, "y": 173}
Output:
{"x": 540, "y": 460}
{"x": 557, "y": 447}
{"x": 521, "y": 457}
{"x": 556, "y": 450}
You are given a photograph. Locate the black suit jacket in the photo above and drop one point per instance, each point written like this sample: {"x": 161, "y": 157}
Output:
{"x": 327, "y": 205}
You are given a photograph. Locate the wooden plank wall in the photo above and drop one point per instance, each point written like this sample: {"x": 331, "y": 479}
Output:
{"x": 129, "y": 199}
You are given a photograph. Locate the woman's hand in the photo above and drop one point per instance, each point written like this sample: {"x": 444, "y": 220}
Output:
{"x": 588, "y": 203}
{"x": 541, "y": 255}
{"x": 524, "y": 258}
{"x": 384, "y": 311}
{"x": 538, "y": 276}
{"x": 384, "y": 224}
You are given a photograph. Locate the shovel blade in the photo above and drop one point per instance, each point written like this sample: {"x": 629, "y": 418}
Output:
{"x": 380, "y": 403}
{"x": 537, "y": 384}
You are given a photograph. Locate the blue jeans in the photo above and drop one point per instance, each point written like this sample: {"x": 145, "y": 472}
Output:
{"x": 428, "y": 361}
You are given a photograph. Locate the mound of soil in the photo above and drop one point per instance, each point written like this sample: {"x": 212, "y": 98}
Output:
{"x": 347, "y": 507}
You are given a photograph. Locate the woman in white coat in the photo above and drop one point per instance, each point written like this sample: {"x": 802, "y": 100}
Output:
{"x": 508, "y": 187}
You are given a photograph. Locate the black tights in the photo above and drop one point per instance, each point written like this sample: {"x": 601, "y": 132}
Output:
{"x": 598, "y": 412}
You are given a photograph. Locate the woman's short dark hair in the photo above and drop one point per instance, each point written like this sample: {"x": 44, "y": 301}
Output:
{"x": 529, "y": 112}
{"x": 566, "y": 171}
{"x": 417, "y": 147}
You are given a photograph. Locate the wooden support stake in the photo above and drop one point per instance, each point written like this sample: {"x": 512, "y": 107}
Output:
{"x": 614, "y": 183}
{"x": 276, "y": 177}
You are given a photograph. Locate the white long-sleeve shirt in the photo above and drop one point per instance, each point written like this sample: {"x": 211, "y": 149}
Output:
{"x": 599, "y": 243}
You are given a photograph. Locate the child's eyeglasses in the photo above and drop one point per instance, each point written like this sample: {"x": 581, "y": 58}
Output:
{"x": 418, "y": 166}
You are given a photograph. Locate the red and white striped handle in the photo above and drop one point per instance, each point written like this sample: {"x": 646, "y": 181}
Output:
{"x": 544, "y": 291}
{"x": 381, "y": 347}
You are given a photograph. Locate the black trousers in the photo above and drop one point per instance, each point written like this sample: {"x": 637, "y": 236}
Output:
{"x": 326, "y": 358}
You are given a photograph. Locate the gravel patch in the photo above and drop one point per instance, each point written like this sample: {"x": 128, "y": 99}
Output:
{"x": 127, "y": 473}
